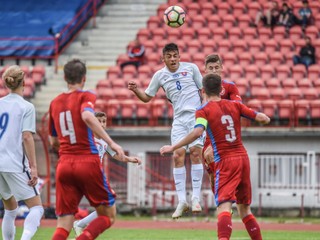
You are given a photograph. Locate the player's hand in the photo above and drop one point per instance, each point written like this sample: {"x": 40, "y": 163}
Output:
{"x": 166, "y": 149}
{"x": 132, "y": 86}
{"x": 118, "y": 149}
{"x": 134, "y": 160}
{"x": 34, "y": 177}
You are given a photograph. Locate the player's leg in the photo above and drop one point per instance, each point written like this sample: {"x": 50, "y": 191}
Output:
{"x": 32, "y": 221}
{"x": 79, "y": 225}
{"x": 224, "y": 223}
{"x": 106, "y": 217}
{"x": 196, "y": 177}
{"x": 180, "y": 176}
{"x": 249, "y": 221}
{"x": 8, "y": 221}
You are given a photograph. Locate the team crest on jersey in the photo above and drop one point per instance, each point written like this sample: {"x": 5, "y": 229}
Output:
{"x": 175, "y": 75}
{"x": 184, "y": 74}
{"x": 222, "y": 91}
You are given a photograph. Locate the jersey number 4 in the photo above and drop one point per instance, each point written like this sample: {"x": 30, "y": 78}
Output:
{"x": 67, "y": 127}
{"x": 227, "y": 119}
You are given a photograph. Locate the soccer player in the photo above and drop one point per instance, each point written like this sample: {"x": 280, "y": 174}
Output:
{"x": 221, "y": 120}
{"x": 181, "y": 82}
{"x": 229, "y": 90}
{"x": 79, "y": 173}
{"x": 103, "y": 148}
{"x": 18, "y": 166}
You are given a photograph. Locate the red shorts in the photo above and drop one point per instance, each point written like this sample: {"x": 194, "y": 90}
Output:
{"x": 79, "y": 176}
{"x": 232, "y": 180}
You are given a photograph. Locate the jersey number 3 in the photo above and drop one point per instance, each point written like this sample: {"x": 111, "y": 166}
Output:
{"x": 67, "y": 127}
{"x": 227, "y": 119}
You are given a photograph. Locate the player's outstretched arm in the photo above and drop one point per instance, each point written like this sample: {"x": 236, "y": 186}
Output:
{"x": 138, "y": 92}
{"x": 262, "y": 118}
{"x": 196, "y": 133}
{"x": 128, "y": 159}
{"x": 28, "y": 143}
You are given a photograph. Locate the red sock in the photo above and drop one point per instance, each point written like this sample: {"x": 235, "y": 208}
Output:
{"x": 224, "y": 226}
{"x": 95, "y": 228}
{"x": 60, "y": 234}
{"x": 252, "y": 227}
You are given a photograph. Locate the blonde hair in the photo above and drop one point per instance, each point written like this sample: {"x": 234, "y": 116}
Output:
{"x": 13, "y": 77}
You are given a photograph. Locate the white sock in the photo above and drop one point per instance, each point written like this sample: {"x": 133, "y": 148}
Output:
{"x": 32, "y": 222}
{"x": 8, "y": 227}
{"x": 196, "y": 176}
{"x": 180, "y": 176}
{"x": 88, "y": 219}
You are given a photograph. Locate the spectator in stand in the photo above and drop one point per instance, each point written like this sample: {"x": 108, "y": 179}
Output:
{"x": 306, "y": 55}
{"x": 136, "y": 55}
{"x": 286, "y": 16}
{"x": 269, "y": 17}
{"x": 305, "y": 15}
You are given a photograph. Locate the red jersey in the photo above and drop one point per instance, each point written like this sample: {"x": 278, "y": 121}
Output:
{"x": 230, "y": 91}
{"x": 223, "y": 126}
{"x": 65, "y": 122}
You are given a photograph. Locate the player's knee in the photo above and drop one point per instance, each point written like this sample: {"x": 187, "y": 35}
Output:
{"x": 195, "y": 155}
{"x": 178, "y": 158}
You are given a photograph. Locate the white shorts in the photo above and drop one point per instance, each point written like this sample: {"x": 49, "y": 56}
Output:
{"x": 182, "y": 126}
{"x": 16, "y": 184}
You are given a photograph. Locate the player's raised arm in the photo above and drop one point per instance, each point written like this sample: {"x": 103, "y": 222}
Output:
{"x": 138, "y": 92}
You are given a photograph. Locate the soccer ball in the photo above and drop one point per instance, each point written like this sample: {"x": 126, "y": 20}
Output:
{"x": 174, "y": 16}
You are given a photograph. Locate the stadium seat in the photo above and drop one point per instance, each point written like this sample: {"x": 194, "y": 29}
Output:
{"x": 114, "y": 72}
{"x": 28, "y": 92}
{"x": 304, "y": 83}
{"x": 261, "y": 93}
{"x": 208, "y": 47}
{"x": 173, "y": 34}
{"x": 198, "y": 21}
{"x": 294, "y": 93}
{"x": 224, "y": 45}
{"x": 288, "y": 83}
{"x": 242, "y": 85}
{"x": 144, "y": 71}
{"x": 313, "y": 72}
{"x": 272, "y": 83}
{"x": 198, "y": 59}
{"x": 158, "y": 34}
{"x": 193, "y": 9}
{"x": 154, "y": 22}
{"x": 312, "y": 32}
{"x": 194, "y": 46}
{"x": 255, "y": 46}
{"x": 100, "y": 105}
{"x": 26, "y": 70}
{"x": 244, "y": 21}
{"x": 249, "y": 34}
{"x": 219, "y": 33}
{"x": 105, "y": 93}
{"x": 253, "y": 8}
{"x": 38, "y": 78}
{"x": 127, "y": 111}
{"x": 269, "y": 107}
{"x": 161, "y": 9}
{"x": 310, "y": 93}
{"x": 295, "y": 33}
{"x": 299, "y": 71}
{"x": 256, "y": 82}
{"x": 129, "y": 71}
{"x": 302, "y": 114}
{"x": 122, "y": 58}
{"x": 266, "y": 71}
{"x": 214, "y": 21}
{"x": 277, "y": 93}
{"x": 153, "y": 59}
{"x": 240, "y": 46}
{"x": 285, "y": 110}
{"x": 286, "y": 45}
{"x": 239, "y": 9}
{"x": 235, "y": 71}
{"x": 229, "y": 58}
{"x": 188, "y": 34}
{"x": 314, "y": 111}
{"x": 223, "y": 9}
{"x": 206, "y": 9}
{"x": 279, "y": 33}
{"x": 255, "y": 104}
{"x": 143, "y": 112}
{"x": 143, "y": 34}
{"x": 3, "y": 92}
{"x": 113, "y": 111}
{"x": 276, "y": 59}
{"x": 204, "y": 34}
{"x": 315, "y": 7}
{"x": 282, "y": 71}
{"x": 260, "y": 58}
{"x": 299, "y": 43}
{"x": 245, "y": 59}
{"x": 264, "y": 34}
{"x": 104, "y": 83}
{"x": 228, "y": 20}
{"x": 159, "y": 111}
{"x": 185, "y": 56}
{"x": 234, "y": 34}
{"x": 122, "y": 93}
{"x": 251, "y": 71}
{"x": 271, "y": 46}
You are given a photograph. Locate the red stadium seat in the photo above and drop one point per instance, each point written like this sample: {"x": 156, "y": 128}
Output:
{"x": 198, "y": 21}
{"x": 158, "y": 34}
{"x": 143, "y": 113}
{"x": 261, "y": 93}
{"x": 194, "y": 46}
{"x": 206, "y": 9}
{"x": 249, "y": 34}
{"x": 208, "y": 47}
{"x": 285, "y": 110}
{"x": 315, "y": 7}
{"x": 279, "y": 33}
{"x": 104, "y": 83}
{"x": 234, "y": 34}
{"x": 239, "y": 9}
{"x": 188, "y": 34}
{"x": 313, "y": 72}
{"x": 312, "y": 32}
{"x": 143, "y": 34}
{"x": 286, "y": 45}
{"x": 244, "y": 22}
{"x": 295, "y": 33}
{"x": 310, "y": 93}
{"x": 251, "y": 71}
{"x": 255, "y": 104}
{"x": 299, "y": 71}
{"x": 223, "y": 9}
{"x": 255, "y": 46}
{"x": 38, "y": 78}
{"x": 154, "y": 22}
{"x": 282, "y": 71}
{"x": 153, "y": 59}
{"x": 159, "y": 110}
{"x": 185, "y": 56}
{"x": 245, "y": 59}
{"x": 304, "y": 83}
{"x": 229, "y": 58}
{"x": 278, "y": 93}
{"x": 228, "y": 21}
{"x": 144, "y": 71}
{"x": 242, "y": 85}
{"x": 253, "y": 8}
{"x": 257, "y": 82}
{"x": 271, "y": 46}
{"x": 294, "y": 93}
{"x": 26, "y": 70}
{"x": 100, "y": 105}
{"x": 302, "y": 116}
{"x": 219, "y": 33}
{"x": 173, "y": 34}
{"x": 204, "y": 34}
{"x": 161, "y": 9}
{"x": 288, "y": 83}
{"x": 224, "y": 45}
{"x": 267, "y": 71}
{"x": 276, "y": 59}
{"x": 119, "y": 83}
{"x": 235, "y": 71}
{"x": 39, "y": 69}
{"x": 113, "y": 111}
{"x": 105, "y": 93}
{"x": 272, "y": 83}
{"x": 240, "y": 46}
{"x": 127, "y": 111}
{"x": 269, "y": 107}
{"x": 193, "y": 9}
{"x": 114, "y": 72}
{"x": 122, "y": 93}
{"x": 214, "y": 21}
{"x": 129, "y": 71}
{"x": 314, "y": 111}
{"x": 264, "y": 34}
{"x": 260, "y": 58}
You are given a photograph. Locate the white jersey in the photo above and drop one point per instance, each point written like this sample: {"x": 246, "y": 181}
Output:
{"x": 16, "y": 116}
{"x": 103, "y": 148}
{"x": 181, "y": 87}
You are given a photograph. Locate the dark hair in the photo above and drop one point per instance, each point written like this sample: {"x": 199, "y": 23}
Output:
{"x": 170, "y": 47}
{"x": 213, "y": 58}
{"x": 100, "y": 114}
{"x": 212, "y": 84}
{"x": 74, "y": 71}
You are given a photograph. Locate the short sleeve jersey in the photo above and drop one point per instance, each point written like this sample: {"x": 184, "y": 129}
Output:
{"x": 221, "y": 119}
{"x": 65, "y": 122}
{"x": 16, "y": 116}
{"x": 103, "y": 148}
{"x": 230, "y": 91}
{"x": 181, "y": 87}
